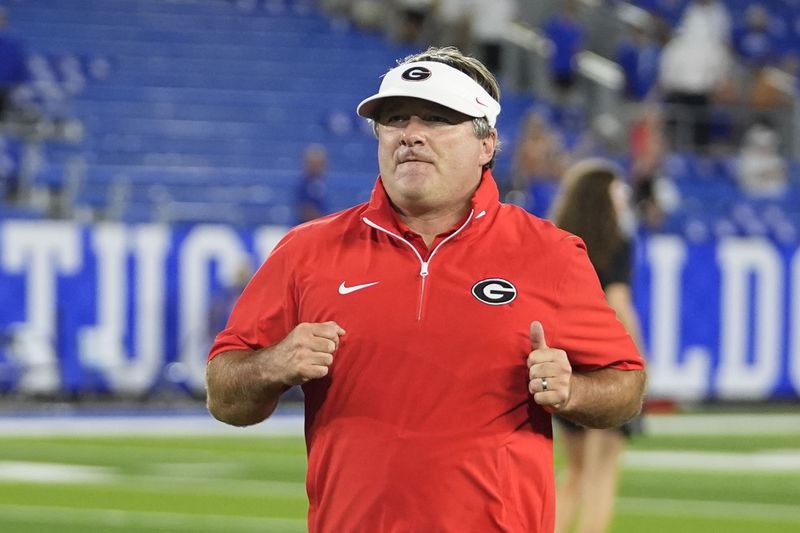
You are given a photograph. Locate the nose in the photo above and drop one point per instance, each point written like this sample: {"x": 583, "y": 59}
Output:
{"x": 413, "y": 132}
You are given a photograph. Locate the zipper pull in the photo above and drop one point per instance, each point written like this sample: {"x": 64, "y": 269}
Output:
{"x": 424, "y": 270}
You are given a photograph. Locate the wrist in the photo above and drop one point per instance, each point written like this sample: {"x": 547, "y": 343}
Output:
{"x": 269, "y": 375}
{"x": 568, "y": 405}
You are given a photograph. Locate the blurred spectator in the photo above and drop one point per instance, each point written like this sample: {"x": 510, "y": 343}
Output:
{"x": 593, "y": 205}
{"x": 755, "y": 42}
{"x": 222, "y": 300}
{"x": 772, "y": 87}
{"x": 490, "y": 24}
{"x": 567, "y": 35}
{"x": 412, "y": 18}
{"x": 709, "y": 18}
{"x": 539, "y": 160}
{"x": 639, "y": 55}
{"x": 761, "y": 171}
{"x": 10, "y": 163}
{"x": 776, "y": 85}
{"x": 33, "y": 354}
{"x": 648, "y": 147}
{"x": 695, "y": 71}
{"x": 312, "y": 190}
{"x": 368, "y": 15}
{"x": 647, "y": 143}
{"x": 13, "y": 69}
{"x": 452, "y": 24}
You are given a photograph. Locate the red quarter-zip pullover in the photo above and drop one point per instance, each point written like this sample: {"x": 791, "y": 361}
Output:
{"x": 424, "y": 422}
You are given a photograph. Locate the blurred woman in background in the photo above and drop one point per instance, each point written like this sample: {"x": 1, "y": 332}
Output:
{"x": 594, "y": 205}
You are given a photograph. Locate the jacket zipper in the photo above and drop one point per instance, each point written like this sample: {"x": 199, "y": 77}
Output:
{"x": 424, "y": 265}
{"x": 423, "y": 272}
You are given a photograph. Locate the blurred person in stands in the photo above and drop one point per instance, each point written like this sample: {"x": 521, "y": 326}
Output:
{"x": 312, "y": 191}
{"x": 368, "y": 15}
{"x": 639, "y": 54}
{"x": 452, "y": 24}
{"x": 761, "y": 170}
{"x": 11, "y": 183}
{"x": 539, "y": 159}
{"x": 755, "y": 42}
{"x": 13, "y": 68}
{"x": 223, "y": 299}
{"x": 412, "y": 19}
{"x": 566, "y": 33}
{"x": 757, "y": 46}
{"x": 594, "y": 206}
{"x": 708, "y": 17}
{"x": 427, "y": 396}
{"x": 491, "y": 23}
{"x": 774, "y": 86}
{"x": 647, "y": 150}
{"x": 695, "y": 72}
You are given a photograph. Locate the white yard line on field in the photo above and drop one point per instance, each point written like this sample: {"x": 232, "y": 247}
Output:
{"x": 787, "y": 461}
{"x": 54, "y": 473}
{"x": 724, "y": 424}
{"x": 763, "y": 512}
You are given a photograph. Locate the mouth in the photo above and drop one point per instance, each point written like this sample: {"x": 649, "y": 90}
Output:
{"x": 413, "y": 166}
{"x": 412, "y": 160}
{"x": 410, "y": 156}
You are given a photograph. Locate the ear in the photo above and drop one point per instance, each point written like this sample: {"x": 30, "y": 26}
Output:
{"x": 488, "y": 147}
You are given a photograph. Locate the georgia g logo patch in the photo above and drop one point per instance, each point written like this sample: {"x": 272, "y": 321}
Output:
{"x": 416, "y": 74}
{"x": 494, "y": 291}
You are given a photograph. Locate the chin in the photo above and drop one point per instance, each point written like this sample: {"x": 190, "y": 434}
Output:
{"x": 411, "y": 181}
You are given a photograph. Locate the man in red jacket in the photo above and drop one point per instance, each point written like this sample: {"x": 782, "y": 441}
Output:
{"x": 433, "y": 329}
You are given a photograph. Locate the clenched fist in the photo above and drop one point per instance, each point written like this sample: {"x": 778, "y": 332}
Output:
{"x": 306, "y": 352}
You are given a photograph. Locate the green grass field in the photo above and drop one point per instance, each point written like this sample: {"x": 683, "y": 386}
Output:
{"x": 686, "y": 483}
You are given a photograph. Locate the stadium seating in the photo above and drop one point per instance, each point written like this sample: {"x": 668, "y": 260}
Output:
{"x": 199, "y": 93}
{"x": 184, "y": 110}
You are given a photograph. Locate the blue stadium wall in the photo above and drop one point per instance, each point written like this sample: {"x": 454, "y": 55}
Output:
{"x": 111, "y": 308}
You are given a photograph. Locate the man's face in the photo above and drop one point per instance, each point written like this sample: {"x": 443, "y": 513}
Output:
{"x": 429, "y": 156}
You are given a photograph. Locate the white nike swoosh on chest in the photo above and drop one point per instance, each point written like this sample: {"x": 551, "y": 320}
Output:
{"x": 347, "y": 290}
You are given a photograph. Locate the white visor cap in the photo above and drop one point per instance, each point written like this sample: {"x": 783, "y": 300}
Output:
{"x": 435, "y": 82}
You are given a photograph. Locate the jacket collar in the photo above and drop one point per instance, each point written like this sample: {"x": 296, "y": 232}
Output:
{"x": 485, "y": 201}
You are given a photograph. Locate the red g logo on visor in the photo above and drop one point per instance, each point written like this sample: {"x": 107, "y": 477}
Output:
{"x": 416, "y": 74}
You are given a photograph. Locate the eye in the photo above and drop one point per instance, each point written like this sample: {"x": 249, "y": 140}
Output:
{"x": 438, "y": 118}
{"x": 394, "y": 120}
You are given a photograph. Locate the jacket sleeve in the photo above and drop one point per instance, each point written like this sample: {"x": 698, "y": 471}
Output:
{"x": 266, "y": 311}
{"x": 586, "y": 327}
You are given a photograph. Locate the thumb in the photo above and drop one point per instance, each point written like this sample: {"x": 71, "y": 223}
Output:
{"x": 537, "y": 335}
